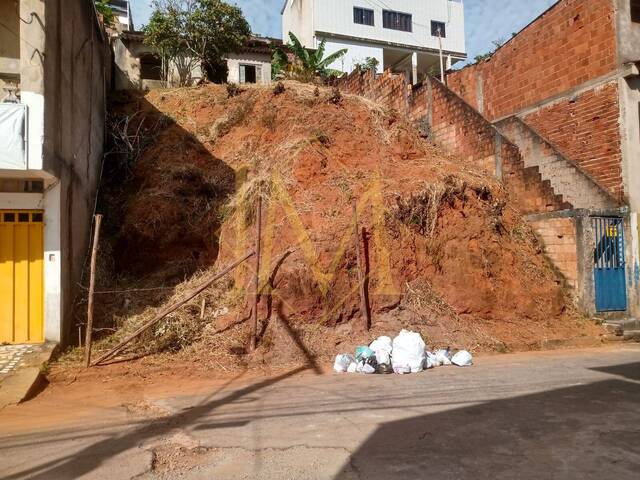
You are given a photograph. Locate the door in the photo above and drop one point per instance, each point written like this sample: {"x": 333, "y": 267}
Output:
{"x": 21, "y": 276}
{"x": 609, "y": 264}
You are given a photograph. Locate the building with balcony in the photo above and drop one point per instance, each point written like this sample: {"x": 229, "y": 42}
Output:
{"x": 402, "y": 35}
{"x": 54, "y": 70}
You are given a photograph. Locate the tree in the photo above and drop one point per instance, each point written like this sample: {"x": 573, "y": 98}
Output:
{"x": 308, "y": 64}
{"x": 103, "y": 8}
{"x": 204, "y": 30}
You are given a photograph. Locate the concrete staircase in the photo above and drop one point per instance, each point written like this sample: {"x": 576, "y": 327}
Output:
{"x": 623, "y": 329}
{"x": 566, "y": 178}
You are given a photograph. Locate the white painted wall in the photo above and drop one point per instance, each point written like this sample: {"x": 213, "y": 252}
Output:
{"x": 356, "y": 53}
{"x": 235, "y": 60}
{"x": 297, "y": 17}
{"x": 35, "y": 128}
{"x": 336, "y": 17}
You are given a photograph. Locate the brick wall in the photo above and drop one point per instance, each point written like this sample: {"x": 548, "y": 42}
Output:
{"x": 572, "y": 43}
{"x": 461, "y": 131}
{"x": 586, "y": 129}
{"x": 559, "y": 238}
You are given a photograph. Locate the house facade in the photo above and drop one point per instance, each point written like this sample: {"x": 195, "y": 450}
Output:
{"x": 138, "y": 67}
{"x": 53, "y": 82}
{"x": 402, "y": 35}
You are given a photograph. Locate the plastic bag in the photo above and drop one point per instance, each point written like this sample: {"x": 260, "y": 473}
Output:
{"x": 352, "y": 368}
{"x": 462, "y": 359}
{"x": 408, "y": 353}
{"x": 431, "y": 361}
{"x": 443, "y": 357}
{"x": 383, "y": 346}
{"x": 362, "y": 353}
{"x": 342, "y": 362}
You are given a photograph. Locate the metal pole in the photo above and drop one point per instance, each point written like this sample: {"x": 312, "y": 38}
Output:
{"x": 92, "y": 284}
{"x": 441, "y": 59}
{"x": 256, "y": 280}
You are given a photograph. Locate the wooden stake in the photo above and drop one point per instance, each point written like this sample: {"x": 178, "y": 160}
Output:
{"x": 92, "y": 285}
{"x": 256, "y": 280}
{"x": 363, "y": 300}
{"x": 202, "y": 307}
{"x": 172, "y": 308}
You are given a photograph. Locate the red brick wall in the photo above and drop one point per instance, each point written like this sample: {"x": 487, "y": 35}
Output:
{"x": 586, "y": 130}
{"x": 461, "y": 131}
{"x": 575, "y": 41}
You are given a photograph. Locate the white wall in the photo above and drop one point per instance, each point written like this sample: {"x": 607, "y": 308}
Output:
{"x": 297, "y": 17}
{"x": 336, "y": 17}
{"x": 356, "y": 53}
{"x": 234, "y": 61}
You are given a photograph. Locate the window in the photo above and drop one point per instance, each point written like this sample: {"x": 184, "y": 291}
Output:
{"x": 397, "y": 21}
{"x": 363, "y": 16}
{"x": 635, "y": 10}
{"x": 250, "y": 73}
{"x": 150, "y": 67}
{"x": 435, "y": 26}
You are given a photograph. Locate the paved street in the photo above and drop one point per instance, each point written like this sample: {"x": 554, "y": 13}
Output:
{"x": 564, "y": 415}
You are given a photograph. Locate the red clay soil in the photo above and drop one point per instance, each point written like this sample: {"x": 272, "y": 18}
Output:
{"x": 446, "y": 253}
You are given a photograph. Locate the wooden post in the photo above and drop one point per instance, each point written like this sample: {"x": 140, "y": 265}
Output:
{"x": 256, "y": 280}
{"x": 92, "y": 284}
{"x": 363, "y": 299}
{"x": 202, "y": 307}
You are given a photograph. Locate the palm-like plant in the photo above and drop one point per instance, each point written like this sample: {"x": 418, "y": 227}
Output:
{"x": 308, "y": 64}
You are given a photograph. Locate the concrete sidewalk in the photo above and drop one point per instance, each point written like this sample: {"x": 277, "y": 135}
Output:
{"x": 563, "y": 414}
{"x": 20, "y": 368}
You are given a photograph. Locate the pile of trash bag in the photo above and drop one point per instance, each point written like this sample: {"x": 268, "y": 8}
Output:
{"x": 407, "y": 353}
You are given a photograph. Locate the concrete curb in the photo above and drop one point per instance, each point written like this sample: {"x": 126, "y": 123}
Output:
{"x": 25, "y": 382}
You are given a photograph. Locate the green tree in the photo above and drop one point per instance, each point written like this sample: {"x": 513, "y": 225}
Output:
{"x": 308, "y": 64}
{"x": 103, "y": 8}
{"x": 200, "y": 30}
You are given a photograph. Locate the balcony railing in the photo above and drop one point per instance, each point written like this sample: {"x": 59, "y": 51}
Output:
{"x": 13, "y": 136}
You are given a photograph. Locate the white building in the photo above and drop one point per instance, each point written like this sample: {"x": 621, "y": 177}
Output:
{"x": 403, "y": 35}
{"x": 122, "y": 14}
{"x": 53, "y": 69}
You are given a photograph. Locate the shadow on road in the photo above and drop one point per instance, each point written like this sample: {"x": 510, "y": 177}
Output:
{"x": 581, "y": 432}
{"x": 91, "y": 457}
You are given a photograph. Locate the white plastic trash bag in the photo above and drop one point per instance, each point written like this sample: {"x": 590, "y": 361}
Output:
{"x": 352, "y": 368}
{"x": 462, "y": 359}
{"x": 443, "y": 357}
{"x": 342, "y": 363}
{"x": 382, "y": 347}
{"x": 408, "y": 353}
{"x": 430, "y": 361}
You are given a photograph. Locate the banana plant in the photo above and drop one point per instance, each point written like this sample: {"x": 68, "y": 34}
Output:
{"x": 307, "y": 64}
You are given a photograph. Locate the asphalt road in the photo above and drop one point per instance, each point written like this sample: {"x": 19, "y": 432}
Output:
{"x": 564, "y": 415}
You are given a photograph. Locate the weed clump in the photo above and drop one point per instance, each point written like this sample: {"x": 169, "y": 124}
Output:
{"x": 279, "y": 88}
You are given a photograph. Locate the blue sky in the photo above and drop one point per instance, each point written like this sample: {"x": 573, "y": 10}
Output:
{"x": 485, "y": 20}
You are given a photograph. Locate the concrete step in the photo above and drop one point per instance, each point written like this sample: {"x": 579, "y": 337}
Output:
{"x": 622, "y": 327}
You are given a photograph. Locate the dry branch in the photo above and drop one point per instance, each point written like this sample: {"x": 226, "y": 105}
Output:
{"x": 171, "y": 308}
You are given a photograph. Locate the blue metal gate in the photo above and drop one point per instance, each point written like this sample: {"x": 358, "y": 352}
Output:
{"x": 609, "y": 264}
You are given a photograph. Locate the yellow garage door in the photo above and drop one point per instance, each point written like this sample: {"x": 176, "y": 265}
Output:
{"x": 21, "y": 276}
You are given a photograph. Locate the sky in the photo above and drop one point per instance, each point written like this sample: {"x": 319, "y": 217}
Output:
{"x": 485, "y": 20}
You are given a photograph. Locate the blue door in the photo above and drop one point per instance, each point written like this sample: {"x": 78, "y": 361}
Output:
{"x": 609, "y": 265}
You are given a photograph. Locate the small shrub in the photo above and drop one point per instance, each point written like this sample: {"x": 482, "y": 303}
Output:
{"x": 279, "y": 88}
{"x": 233, "y": 90}
{"x": 336, "y": 96}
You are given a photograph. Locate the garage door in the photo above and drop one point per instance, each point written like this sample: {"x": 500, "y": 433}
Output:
{"x": 21, "y": 276}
